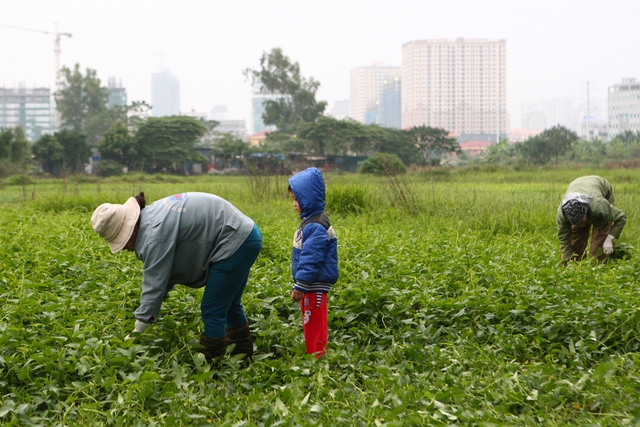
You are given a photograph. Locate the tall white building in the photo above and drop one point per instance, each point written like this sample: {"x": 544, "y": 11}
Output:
{"x": 366, "y": 87}
{"x": 258, "y": 99}
{"x": 458, "y": 85}
{"x": 117, "y": 93}
{"x": 546, "y": 113}
{"x": 218, "y": 112}
{"x": 165, "y": 94}
{"x": 624, "y": 107}
{"x": 340, "y": 110}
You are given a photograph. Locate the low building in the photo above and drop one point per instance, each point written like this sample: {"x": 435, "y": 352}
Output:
{"x": 258, "y": 139}
{"x": 237, "y": 128}
{"x": 475, "y": 148}
{"x": 520, "y": 135}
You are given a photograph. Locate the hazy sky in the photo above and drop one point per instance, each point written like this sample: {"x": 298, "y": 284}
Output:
{"x": 553, "y": 46}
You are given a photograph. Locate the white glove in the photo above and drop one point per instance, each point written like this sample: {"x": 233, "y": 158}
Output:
{"x": 607, "y": 247}
{"x": 139, "y": 328}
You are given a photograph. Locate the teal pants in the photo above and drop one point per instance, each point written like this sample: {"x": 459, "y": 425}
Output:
{"x": 221, "y": 304}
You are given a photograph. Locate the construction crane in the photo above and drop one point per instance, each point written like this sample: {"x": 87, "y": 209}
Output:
{"x": 56, "y": 50}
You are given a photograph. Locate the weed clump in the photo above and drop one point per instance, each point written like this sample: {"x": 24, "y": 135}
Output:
{"x": 347, "y": 200}
{"x": 18, "y": 180}
{"x": 621, "y": 251}
{"x": 383, "y": 164}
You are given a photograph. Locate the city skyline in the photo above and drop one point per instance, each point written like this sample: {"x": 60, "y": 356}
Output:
{"x": 554, "y": 48}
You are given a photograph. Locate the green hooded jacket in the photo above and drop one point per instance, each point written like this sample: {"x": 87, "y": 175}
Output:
{"x": 601, "y": 210}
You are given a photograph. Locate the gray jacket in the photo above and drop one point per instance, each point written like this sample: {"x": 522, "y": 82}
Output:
{"x": 179, "y": 238}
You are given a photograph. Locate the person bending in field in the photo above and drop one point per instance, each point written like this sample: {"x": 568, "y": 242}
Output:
{"x": 314, "y": 257}
{"x": 588, "y": 206}
{"x": 193, "y": 239}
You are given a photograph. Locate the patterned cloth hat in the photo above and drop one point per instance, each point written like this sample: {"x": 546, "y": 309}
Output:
{"x": 115, "y": 223}
{"x": 574, "y": 210}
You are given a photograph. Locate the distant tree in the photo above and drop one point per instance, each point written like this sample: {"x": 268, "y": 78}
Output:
{"x": 80, "y": 98}
{"x": 548, "y": 145}
{"x": 228, "y": 147}
{"x": 325, "y": 135}
{"x": 97, "y": 125}
{"x": 593, "y": 151}
{"x": 296, "y": 96}
{"x": 559, "y": 140}
{"x": 6, "y": 140}
{"x": 83, "y": 105}
{"x": 49, "y": 153}
{"x": 433, "y": 143}
{"x": 628, "y": 137}
{"x": 359, "y": 137}
{"x": 329, "y": 136}
{"x": 392, "y": 141}
{"x": 166, "y": 143}
{"x": 20, "y": 152}
{"x": 14, "y": 147}
{"x": 76, "y": 152}
{"x": 501, "y": 153}
{"x": 624, "y": 146}
{"x": 278, "y": 142}
{"x": 137, "y": 113}
{"x": 118, "y": 147}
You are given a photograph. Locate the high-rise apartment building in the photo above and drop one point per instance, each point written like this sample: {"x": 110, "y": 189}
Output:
{"x": 459, "y": 85}
{"x": 165, "y": 94}
{"x": 340, "y": 110}
{"x": 31, "y": 109}
{"x": 366, "y": 87}
{"x": 544, "y": 114}
{"x": 390, "y": 115}
{"x": 624, "y": 107}
{"x": 258, "y": 100}
{"x": 117, "y": 93}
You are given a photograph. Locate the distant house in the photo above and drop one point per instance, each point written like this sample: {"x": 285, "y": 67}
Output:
{"x": 521, "y": 135}
{"x": 475, "y": 148}
{"x": 258, "y": 139}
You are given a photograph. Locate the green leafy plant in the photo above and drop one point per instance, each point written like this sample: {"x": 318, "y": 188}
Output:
{"x": 457, "y": 315}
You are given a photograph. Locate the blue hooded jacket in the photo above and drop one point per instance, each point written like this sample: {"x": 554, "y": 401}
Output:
{"x": 314, "y": 258}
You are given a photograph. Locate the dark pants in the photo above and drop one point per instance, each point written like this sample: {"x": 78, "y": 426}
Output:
{"x": 580, "y": 237}
{"x": 221, "y": 304}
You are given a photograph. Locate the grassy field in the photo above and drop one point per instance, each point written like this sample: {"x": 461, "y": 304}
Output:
{"x": 451, "y": 309}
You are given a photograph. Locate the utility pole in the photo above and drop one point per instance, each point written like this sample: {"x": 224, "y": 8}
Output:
{"x": 56, "y": 51}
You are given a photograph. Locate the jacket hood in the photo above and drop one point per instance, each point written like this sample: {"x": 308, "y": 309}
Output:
{"x": 308, "y": 187}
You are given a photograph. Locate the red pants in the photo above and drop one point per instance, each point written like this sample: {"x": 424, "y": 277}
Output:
{"x": 314, "y": 322}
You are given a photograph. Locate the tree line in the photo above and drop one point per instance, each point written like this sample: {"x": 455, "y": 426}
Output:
{"x": 559, "y": 145}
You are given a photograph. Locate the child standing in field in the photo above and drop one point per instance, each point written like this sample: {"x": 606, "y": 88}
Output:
{"x": 314, "y": 259}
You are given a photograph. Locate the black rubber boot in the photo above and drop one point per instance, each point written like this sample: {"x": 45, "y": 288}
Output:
{"x": 214, "y": 347}
{"x": 241, "y": 337}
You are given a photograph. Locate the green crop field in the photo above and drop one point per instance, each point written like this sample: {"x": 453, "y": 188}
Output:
{"x": 451, "y": 309}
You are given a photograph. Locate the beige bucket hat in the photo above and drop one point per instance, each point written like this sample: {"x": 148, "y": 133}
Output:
{"x": 115, "y": 223}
